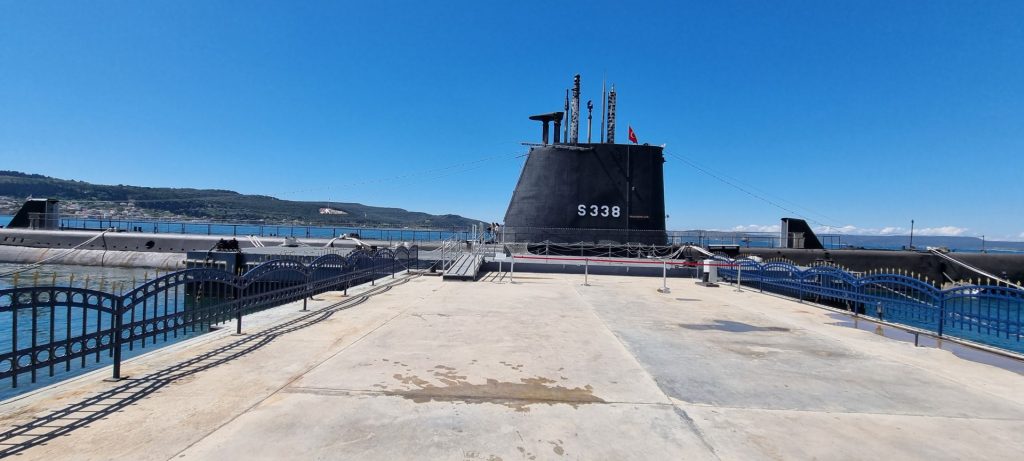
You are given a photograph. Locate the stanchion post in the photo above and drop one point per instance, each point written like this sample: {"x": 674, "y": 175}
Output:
{"x": 739, "y": 277}
{"x": 512, "y": 272}
{"x": 664, "y": 278}
{"x": 586, "y": 272}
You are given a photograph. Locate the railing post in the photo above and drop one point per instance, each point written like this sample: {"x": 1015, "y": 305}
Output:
{"x": 739, "y": 277}
{"x": 115, "y": 342}
{"x": 800, "y": 287}
{"x": 238, "y": 313}
{"x": 512, "y": 272}
{"x": 942, "y": 315}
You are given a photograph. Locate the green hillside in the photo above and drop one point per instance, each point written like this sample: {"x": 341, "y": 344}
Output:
{"x": 212, "y": 204}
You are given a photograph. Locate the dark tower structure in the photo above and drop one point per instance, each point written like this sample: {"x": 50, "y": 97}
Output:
{"x": 588, "y": 192}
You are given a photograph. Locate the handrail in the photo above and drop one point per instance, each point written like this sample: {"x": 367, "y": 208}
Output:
{"x": 972, "y": 268}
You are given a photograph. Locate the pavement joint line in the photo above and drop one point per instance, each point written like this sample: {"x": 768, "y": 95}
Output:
{"x": 684, "y": 419}
{"x": 687, "y": 422}
{"x": 593, "y": 312}
{"x": 681, "y": 403}
{"x": 303, "y": 372}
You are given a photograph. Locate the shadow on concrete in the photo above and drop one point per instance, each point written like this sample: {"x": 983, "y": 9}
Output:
{"x": 99, "y": 406}
{"x": 731, "y": 326}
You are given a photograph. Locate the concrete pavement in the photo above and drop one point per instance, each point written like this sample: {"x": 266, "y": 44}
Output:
{"x": 541, "y": 369}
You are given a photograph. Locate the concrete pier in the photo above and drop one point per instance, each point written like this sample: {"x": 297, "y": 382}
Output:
{"x": 543, "y": 368}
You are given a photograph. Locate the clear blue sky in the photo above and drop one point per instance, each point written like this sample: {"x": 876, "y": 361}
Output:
{"x": 858, "y": 113}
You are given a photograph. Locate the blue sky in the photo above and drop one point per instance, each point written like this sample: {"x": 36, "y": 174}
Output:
{"x": 858, "y": 115}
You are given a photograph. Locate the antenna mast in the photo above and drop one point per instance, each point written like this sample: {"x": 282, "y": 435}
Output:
{"x": 611, "y": 116}
{"x": 568, "y": 116}
{"x": 590, "y": 119}
{"x": 574, "y": 132}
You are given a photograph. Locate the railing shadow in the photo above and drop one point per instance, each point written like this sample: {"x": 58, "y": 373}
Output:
{"x": 93, "y": 408}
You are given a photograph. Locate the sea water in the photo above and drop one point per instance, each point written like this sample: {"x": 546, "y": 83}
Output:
{"x": 106, "y": 279}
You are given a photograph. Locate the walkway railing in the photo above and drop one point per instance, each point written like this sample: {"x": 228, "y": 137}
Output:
{"x": 987, "y": 313}
{"x": 51, "y": 330}
{"x": 264, "y": 229}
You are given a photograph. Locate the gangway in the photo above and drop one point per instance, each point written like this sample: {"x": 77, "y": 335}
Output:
{"x": 701, "y": 250}
{"x": 465, "y": 267}
{"x": 973, "y": 268}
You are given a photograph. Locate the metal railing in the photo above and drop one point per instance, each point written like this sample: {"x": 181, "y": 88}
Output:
{"x": 265, "y": 229}
{"x": 54, "y": 330}
{"x": 990, "y": 314}
{"x": 703, "y": 238}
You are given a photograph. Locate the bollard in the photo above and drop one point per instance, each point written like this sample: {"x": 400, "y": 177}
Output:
{"x": 664, "y": 278}
{"x": 586, "y": 271}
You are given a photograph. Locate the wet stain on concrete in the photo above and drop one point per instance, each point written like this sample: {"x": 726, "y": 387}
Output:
{"x": 557, "y": 447}
{"x": 515, "y": 367}
{"x": 731, "y": 326}
{"x": 760, "y": 351}
{"x": 518, "y": 396}
{"x": 447, "y": 375}
{"x": 526, "y": 454}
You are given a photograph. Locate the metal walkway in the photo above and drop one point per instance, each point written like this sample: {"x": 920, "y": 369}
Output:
{"x": 465, "y": 267}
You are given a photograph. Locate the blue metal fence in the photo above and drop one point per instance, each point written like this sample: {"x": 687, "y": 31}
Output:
{"x": 58, "y": 330}
{"x": 989, "y": 313}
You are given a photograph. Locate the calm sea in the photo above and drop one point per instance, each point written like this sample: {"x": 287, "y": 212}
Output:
{"x": 97, "y": 278}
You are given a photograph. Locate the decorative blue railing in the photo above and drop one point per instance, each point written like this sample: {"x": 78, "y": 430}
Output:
{"x": 989, "y": 313}
{"x": 53, "y": 330}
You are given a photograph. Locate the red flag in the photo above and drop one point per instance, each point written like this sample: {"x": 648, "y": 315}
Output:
{"x": 632, "y": 135}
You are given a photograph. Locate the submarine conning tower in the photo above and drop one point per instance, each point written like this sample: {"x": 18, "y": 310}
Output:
{"x": 572, "y": 192}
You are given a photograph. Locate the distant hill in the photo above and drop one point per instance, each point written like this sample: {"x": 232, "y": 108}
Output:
{"x": 215, "y": 204}
{"x": 921, "y": 241}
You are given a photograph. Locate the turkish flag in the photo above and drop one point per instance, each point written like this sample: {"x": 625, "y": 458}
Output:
{"x": 632, "y": 135}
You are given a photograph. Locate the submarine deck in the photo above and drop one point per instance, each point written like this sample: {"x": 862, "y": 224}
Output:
{"x": 540, "y": 369}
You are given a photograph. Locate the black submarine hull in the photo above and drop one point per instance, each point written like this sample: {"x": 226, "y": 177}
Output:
{"x": 589, "y": 193}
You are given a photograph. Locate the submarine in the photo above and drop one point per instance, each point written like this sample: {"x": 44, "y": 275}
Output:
{"x": 586, "y": 197}
{"x": 587, "y": 192}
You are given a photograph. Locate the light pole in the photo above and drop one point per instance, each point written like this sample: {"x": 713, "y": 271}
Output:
{"x": 911, "y": 235}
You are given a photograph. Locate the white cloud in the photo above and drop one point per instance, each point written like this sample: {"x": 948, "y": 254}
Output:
{"x": 1021, "y": 236}
{"x": 854, "y": 230}
{"x": 757, "y": 228}
{"x": 943, "y": 231}
{"x": 893, "y": 230}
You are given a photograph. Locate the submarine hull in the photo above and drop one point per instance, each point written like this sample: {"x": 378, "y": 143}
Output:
{"x": 590, "y": 193}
